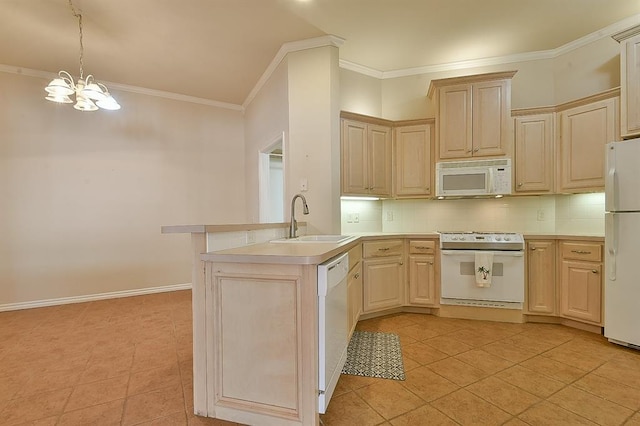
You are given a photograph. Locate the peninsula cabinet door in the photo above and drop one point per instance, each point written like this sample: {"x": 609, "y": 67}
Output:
{"x": 584, "y": 131}
{"x": 534, "y": 153}
{"x": 383, "y": 280}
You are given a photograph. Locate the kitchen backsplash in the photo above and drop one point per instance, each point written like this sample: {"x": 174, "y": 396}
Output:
{"x": 580, "y": 214}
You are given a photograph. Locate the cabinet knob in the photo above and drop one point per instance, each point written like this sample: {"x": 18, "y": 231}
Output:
{"x": 357, "y": 275}
{"x": 401, "y": 263}
{"x": 595, "y": 271}
{"x": 430, "y": 263}
{"x": 533, "y": 248}
{"x": 520, "y": 184}
{"x": 476, "y": 150}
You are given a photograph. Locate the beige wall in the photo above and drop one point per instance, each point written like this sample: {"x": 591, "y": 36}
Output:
{"x": 84, "y": 194}
{"x": 266, "y": 118}
{"x": 590, "y": 69}
{"x": 360, "y": 93}
{"x": 313, "y": 149}
{"x": 581, "y": 72}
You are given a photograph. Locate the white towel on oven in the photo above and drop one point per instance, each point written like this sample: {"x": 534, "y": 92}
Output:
{"x": 484, "y": 268}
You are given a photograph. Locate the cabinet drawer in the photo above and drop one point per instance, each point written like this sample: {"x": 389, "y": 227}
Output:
{"x": 355, "y": 256}
{"x": 421, "y": 246}
{"x": 382, "y": 248}
{"x": 582, "y": 251}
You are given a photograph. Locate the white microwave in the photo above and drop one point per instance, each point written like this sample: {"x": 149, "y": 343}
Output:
{"x": 473, "y": 178}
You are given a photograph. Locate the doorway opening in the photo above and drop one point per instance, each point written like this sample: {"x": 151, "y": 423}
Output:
{"x": 271, "y": 164}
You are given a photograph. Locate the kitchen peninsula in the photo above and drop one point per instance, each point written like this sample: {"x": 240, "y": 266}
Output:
{"x": 256, "y": 327}
{"x": 256, "y": 316}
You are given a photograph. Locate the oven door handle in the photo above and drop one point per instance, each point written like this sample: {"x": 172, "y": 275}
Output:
{"x": 473, "y": 252}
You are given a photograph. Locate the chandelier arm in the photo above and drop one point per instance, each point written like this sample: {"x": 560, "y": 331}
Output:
{"x": 67, "y": 78}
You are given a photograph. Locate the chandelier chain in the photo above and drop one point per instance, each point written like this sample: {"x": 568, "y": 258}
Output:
{"x": 79, "y": 16}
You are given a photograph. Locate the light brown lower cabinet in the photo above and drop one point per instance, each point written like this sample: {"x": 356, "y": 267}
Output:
{"x": 581, "y": 281}
{"x": 383, "y": 283}
{"x": 383, "y": 270}
{"x": 423, "y": 273}
{"x": 541, "y": 277}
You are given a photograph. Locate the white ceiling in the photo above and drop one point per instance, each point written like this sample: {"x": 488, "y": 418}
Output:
{"x": 218, "y": 49}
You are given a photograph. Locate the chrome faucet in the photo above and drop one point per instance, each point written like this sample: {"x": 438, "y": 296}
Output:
{"x": 293, "y": 227}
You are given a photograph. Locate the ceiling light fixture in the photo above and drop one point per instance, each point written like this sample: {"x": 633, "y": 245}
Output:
{"x": 90, "y": 95}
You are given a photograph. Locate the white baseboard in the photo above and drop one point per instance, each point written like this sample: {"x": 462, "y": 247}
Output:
{"x": 92, "y": 297}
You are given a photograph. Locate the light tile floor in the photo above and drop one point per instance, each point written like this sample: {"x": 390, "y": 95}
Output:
{"x": 129, "y": 362}
{"x": 487, "y": 373}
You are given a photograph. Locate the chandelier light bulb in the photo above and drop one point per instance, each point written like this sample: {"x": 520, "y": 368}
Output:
{"x": 86, "y": 90}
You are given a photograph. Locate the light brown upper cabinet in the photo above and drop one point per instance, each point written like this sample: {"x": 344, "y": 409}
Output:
{"x": 413, "y": 149}
{"x": 584, "y": 131}
{"x": 366, "y": 158}
{"x": 473, "y": 116}
{"x": 534, "y": 153}
{"x": 629, "y": 82}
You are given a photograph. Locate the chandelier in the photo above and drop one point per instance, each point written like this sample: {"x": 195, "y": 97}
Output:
{"x": 89, "y": 94}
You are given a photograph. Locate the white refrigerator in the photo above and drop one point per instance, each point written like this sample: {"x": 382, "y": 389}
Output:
{"x": 622, "y": 243}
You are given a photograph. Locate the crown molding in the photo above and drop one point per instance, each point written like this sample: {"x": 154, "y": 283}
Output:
{"x": 352, "y": 66}
{"x": 294, "y": 46}
{"x": 620, "y": 28}
{"x": 127, "y": 88}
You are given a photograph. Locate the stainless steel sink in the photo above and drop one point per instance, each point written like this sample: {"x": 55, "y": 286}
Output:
{"x": 315, "y": 239}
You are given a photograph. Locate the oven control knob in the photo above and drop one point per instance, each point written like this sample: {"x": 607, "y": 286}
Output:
{"x": 499, "y": 238}
{"x": 507, "y": 239}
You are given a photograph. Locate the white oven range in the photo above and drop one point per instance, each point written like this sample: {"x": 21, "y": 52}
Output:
{"x": 458, "y": 261}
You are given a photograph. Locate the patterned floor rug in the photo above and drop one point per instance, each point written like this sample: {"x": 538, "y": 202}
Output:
{"x": 374, "y": 354}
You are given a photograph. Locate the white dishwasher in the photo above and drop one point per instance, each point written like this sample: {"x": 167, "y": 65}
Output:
{"x": 333, "y": 333}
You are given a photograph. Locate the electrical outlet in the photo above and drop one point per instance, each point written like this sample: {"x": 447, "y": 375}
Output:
{"x": 390, "y": 216}
{"x": 304, "y": 185}
{"x": 251, "y": 237}
{"x": 356, "y": 218}
{"x": 541, "y": 215}
{"x": 349, "y": 217}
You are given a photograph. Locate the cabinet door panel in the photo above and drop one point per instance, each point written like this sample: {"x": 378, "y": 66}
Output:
{"x": 380, "y": 151}
{"x": 413, "y": 146}
{"x": 581, "y": 296}
{"x": 630, "y": 79}
{"x": 541, "y": 277}
{"x": 382, "y": 284}
{"x": 534, "y": 153}
{"x": 455, "y": 122}
{"x": 584, "y": 132}
{"x": 490, "y": 118}
{"x": 422, "y": 277}
{"x": 354, "y": 158}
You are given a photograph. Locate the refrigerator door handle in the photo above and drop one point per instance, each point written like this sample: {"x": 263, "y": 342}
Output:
{"x": 610, "y": 200}
{"x": 611, "y": 231}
